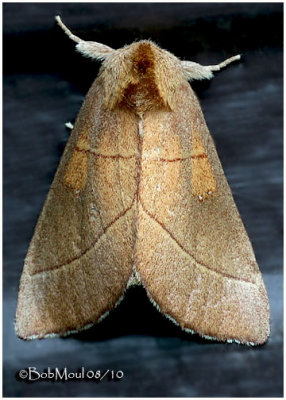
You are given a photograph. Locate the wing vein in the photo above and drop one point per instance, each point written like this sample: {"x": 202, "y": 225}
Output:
{"x": 191, "y": 254}
{"x": 58, "y": 266}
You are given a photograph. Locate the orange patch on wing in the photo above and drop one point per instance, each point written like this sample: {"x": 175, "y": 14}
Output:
{"x": 76, "y": 172}
{"x": 202, "y": 178}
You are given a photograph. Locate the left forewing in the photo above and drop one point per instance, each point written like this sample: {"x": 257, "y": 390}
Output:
{"x": 80, "y": 257}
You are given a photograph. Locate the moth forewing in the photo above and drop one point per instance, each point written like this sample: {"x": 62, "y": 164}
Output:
{"x": 197, "y": 261}
{"x": 80, "y": 257}
{"x": 140, "y": 197}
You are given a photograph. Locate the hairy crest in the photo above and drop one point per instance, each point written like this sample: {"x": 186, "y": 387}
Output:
{"x": 141, "y": 76}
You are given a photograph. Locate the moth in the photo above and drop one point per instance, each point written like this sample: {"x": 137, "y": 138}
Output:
{"x": 140, "y": 197}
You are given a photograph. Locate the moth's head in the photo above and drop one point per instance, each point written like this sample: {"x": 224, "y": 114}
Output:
{"x": 141, "y": 76}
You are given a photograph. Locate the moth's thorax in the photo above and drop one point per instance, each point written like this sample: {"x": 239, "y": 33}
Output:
{"x": 142, "y": 77}
{"x": 142, "y": 92}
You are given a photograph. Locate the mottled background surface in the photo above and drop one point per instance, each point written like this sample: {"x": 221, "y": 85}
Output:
{"x": 45, "y": 81}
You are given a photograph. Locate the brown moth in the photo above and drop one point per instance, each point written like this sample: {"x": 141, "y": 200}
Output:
{"x": 140, "y": 197}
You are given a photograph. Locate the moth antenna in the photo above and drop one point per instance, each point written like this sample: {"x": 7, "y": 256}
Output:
{"x": 94, "y": 50}
{"x": 224, "y": 63}
{"x": 67, "y": 31}
{"x": 198, "y": 71}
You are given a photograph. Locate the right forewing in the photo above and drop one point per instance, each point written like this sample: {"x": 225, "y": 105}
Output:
{"x": 193, "y": 254}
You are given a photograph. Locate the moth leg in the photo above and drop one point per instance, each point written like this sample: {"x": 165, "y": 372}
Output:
{"x": 69, "y": 125}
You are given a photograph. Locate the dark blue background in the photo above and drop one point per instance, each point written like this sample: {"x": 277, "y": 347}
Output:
{"x": 45, "y": 81}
